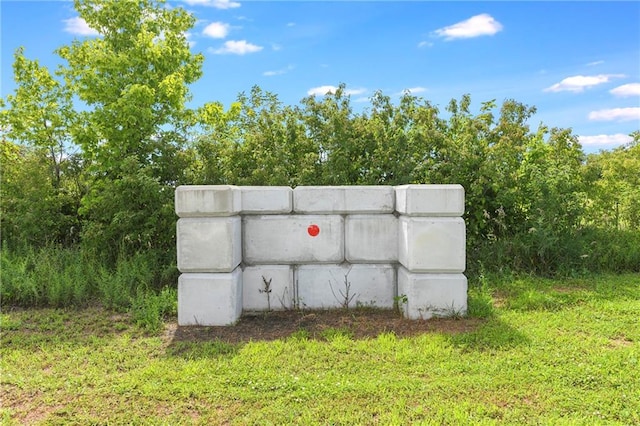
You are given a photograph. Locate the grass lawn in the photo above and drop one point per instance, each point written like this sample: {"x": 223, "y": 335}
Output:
{"x": 549, "y": 352}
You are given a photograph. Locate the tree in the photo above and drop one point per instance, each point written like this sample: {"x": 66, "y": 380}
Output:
{"x": 40, "y": 113}
{"x": 133, "y": 81}
{"x": 614, "y": 193}
{"x": 41, "y": 176}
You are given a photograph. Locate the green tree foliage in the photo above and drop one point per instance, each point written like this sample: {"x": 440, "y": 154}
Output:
{"x": 534, "y": 201}
{"x": 41, "y": 182}
{"x": 614, "y": 190}
{"x": 134, "y": 81}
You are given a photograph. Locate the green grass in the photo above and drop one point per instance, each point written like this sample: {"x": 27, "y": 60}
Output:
{"x": 558, "y": 352}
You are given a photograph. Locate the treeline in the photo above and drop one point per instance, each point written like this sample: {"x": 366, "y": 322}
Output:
{"x": 91, "y": 156}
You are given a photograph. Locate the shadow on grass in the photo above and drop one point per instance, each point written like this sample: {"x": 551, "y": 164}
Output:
{"x": 71, "y": 327}
{"x": 539, "y": 294}
{"x": 356, "y": 324}
{"x": 494, "y": 334}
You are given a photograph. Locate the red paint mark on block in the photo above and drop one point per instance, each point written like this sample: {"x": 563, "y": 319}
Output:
{"x": 313, "y": 230}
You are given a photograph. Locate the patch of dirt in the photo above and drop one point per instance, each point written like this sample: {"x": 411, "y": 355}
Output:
{"x": 621, "y": 342}
{"x": 360, "y": 324}
{"x": 26, "y": 409}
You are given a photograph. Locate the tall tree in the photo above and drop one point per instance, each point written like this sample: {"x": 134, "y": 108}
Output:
{"x": 133, "y": 80}
{"x": 40, "y": 113}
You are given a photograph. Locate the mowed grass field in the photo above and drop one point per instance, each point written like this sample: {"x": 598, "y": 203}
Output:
{"x": 544, "y": 352}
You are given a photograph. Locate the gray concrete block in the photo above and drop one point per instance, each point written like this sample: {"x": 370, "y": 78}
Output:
{"x": 429, "y": 295}
{"x": 324, "y": 286}
{"x": 290, "y": 240}
{"x": 266, "y": 199}
{"x": 210, "y": 299}
{"x": 430, "y": 200}
{"x": 343, "y": 199}
{"x": 209, "y": 244}
{"x": 371, "y": 238}
{"x": 207, "y": 200}
{"x": 254, "y": 290}
{"x": 435, "y": 245}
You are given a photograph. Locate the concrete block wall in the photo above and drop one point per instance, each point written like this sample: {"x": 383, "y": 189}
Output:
{"x": 253, "y": 248}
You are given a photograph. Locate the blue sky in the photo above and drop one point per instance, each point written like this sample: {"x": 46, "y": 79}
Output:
{"x": 577, "y": 62}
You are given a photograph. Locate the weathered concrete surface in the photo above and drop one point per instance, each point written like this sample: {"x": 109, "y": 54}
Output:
{"x": 287, "y": 239}
{"x": 429, "y": 295}
{"x": 435, "y": 245}
{"x": 266, "y": 199}
{"x": 207, "y": 200}
{"x": 406, "y": 241}
{"x": 343, "y": 199}
{"x": 254, "y": 290}
{"x": 430, "y": 200}
{"x": 323, "y": 286}
{"x": 209, "y": 244}
{"x": 371, "y": 238}
{"x": 210, "y": 299}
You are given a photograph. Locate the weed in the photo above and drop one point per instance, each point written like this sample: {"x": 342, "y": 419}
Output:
{"x": 266, "y": 289}
{"x": 399, "y": 301}
{"x": 345, "y": 298}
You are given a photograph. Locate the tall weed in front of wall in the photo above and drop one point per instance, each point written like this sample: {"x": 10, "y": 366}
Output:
{"x": 584, "y": 251}
{"x": 70, "y": 277}
{"x": 49, "y": 276}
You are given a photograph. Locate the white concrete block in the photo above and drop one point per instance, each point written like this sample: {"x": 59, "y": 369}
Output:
{"x": 266, "y": 199}
{"x": 209, "y": 244}
{"x": 293, "y": 239}
{"x": 430, "y": 200}
{"x": 210, "y": 299}
{"x": 371, "y": 238}
{"x": 432, "y": 244}
{"x": 429, "y": 295}
{"x": 343, "y": 199}
{"x": 323, "y": 286}
{"x": 279, "y": 294}
{"x": 207, "y": 200}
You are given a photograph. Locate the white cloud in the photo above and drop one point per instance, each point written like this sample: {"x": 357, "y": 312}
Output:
{"x": 189, "y": 37}
{"x": 415, "y": 90}
{"x": 278, "y": 72}
{"x": 578, "y": 83}
{"x": 291, "y": 24}
{"x": 425, "y": 44}
{"x": 236, "y": 47}
{"x": 323, "y": 90}
{"x": 591, "y": 64}
{"x": 216, "y": 30}
{"x": 615, "y": 114}
{"x": 218, "y": 4}
{"x": 276, "y": 47}
{"x": 78, "y": 26}
{"x": 605, "y": 140}
{"x": 476, "y": 26}
{"x": 631, "y": 89}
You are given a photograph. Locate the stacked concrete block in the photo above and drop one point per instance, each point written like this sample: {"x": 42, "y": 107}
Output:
{"x": 294, "y": 239}
{"x": 345, "y": 286}
{"x": 209, "y": 246}
{"x": 343, "y": 199}
{"x": 268, "y": 248}
{"x": 268, "y": 287}
{"x": 266, "y": 199}
{"x": 209, "y": 299}
{"x": 371, "y": 238}
{"x": 431, "y": 250}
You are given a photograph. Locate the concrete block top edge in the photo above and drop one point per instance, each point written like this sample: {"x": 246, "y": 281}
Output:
{"x": 430, "y": 200}
{"x": 207, "y": 200}
{"x": 344, "y": 199}
{"x": 266, "y": 199}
